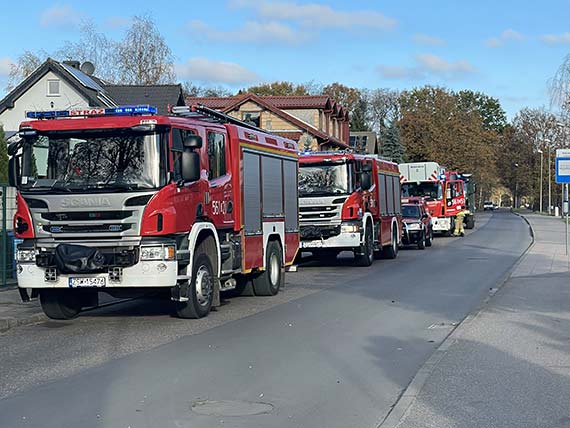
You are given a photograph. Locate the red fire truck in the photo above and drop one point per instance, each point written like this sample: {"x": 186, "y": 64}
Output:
{"x": 349, "y": 202}
{"x": 444, "y": 191}
{"x": 124, "y": 201}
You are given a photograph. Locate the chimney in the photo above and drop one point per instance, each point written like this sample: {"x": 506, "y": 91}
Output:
{"x": 74, "y": 64}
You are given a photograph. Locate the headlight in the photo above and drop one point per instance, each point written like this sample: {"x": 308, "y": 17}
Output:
{"x": 414, "y": 226}
{"x": 349, "y": 228}
{"x": 162, "y": 252}
{"x": 26, "y": 256}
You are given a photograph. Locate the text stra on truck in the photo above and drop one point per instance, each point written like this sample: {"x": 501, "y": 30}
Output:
{"x": 124, "y": 201}
{"x": 349, "y": 202}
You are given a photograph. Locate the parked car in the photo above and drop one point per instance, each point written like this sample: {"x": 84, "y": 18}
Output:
{"x": 488, "y": 205}
{"x": 418, "y": 228}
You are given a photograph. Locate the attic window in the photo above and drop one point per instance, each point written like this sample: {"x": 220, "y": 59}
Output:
{"x": 252, "y": 117}
{"x": 53, "y": 88}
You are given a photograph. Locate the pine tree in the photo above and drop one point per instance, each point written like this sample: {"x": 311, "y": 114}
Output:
{"x": 392, "y": 147}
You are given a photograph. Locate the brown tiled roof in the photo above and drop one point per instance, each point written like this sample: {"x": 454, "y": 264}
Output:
{"x": 159, "y": 96}
{"x": 282, "y": 102}
{"x": 231, "y": 103}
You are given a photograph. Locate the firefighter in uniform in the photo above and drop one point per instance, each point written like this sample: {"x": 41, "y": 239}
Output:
{"x": 459, "y": 231}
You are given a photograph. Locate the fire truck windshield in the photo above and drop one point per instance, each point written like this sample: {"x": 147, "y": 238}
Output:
{"x": 425, "y": 189}
{"x": 92, "y": 161}
{"x": 323, "y": 179}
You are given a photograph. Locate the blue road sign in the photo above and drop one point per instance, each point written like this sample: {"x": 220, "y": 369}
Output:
{"x": 562, "y": 166}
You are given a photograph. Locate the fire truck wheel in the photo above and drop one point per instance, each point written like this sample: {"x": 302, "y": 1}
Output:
{"x": 429, "y": 239}
{"x": 422, "y": 242}
{"x": 391, "y": 251}
{"x": 269, "y": 282}
{"x": 60, "y": 304}
{"x": 366, "y": 256}
{"x": 201, "y": 292}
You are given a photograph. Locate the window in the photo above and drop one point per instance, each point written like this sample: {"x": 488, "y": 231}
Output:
{"x": 178, "y": 136}
{"x": 53, "y": 88}
{"x": 216, "y": 155}
{"x": 252, "y": 117}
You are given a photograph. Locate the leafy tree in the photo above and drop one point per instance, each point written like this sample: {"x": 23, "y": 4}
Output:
{"x": 144, "y": 58}
{"x": 192, "y": 90}
{"x": 353, "y": 100}
{"x": 493, "y": 116}
{"x": 391, "y": 146}
{"x": 3, "y": 157}
{"x": 278, "y": 88}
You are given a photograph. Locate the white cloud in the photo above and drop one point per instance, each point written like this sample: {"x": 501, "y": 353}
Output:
{"x": 437, "y": 65}
{"x": 424, "y": 39}
{"x": 212, "y": 71}
{"x": 556, "y": 39}
{"x": 251, "y": 32}
{"x": 60, "y": 15}
{"x": 428, "y": 65}
{"x": 117, "y": 22}
{"x": 5, "y": 66}
{"x": 509, "y": 34}
{"x": 315, "y": 15}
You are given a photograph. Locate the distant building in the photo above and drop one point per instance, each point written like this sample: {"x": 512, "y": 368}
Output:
{"x": 364, "y": 142}
{"x": 68, "y": 85}
{"x": 315, "y": 122}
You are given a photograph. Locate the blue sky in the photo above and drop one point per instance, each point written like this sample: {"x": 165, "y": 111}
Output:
{"x": 507, "y": 49}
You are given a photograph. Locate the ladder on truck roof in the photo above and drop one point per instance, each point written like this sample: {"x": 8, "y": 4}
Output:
{"x": 199, "y": 111}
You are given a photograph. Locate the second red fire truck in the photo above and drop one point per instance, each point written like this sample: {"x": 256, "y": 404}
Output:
{"x": 124, "y": 201}
{"x": 445, "y": 193}
{"x": 349, "y": 202}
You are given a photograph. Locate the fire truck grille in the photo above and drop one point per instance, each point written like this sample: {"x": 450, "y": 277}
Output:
{"x": 86, "y": 215}
{"x": 94, "y": 228}
{"x": 321, "y": 212}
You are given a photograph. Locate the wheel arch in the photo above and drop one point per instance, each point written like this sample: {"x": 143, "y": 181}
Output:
{"x": 198, "y": 234}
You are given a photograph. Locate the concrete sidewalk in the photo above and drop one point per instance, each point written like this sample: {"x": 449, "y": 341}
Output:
{"x": 14, "y": 312}
{"x": 509, "y": 366}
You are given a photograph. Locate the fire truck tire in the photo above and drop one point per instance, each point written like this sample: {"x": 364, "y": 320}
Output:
{"x": 366, "y": 251}
{"x": 201, "y": 290}
{"x": 270, "y": 280}
{"x": 60, "y": 304}
{"x": 391, "y": 251}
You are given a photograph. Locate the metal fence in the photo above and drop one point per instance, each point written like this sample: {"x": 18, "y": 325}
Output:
{"x": 7, "y": 241}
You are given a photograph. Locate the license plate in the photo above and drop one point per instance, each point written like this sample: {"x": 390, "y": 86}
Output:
{"x": 311, "y": 244}
{"x": 75, "y": 282}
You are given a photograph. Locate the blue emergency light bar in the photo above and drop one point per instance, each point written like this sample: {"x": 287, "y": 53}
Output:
{"x": 111, "y": 111}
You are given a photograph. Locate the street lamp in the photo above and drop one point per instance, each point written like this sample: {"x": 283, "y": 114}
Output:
{"x": 516, "y": 165}
{"x": 540, "y": 209}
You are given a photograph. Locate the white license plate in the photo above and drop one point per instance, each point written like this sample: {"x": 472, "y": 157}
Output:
{"x": 75, "y": 282}
{"x": 311, "y": 244}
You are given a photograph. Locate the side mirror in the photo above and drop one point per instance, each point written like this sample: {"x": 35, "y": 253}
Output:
{"x": 193, "y": 142}
{"x": 190, "y": 166}
{"x": 14, "y": 171}
{"x": 13, "y": 148}
{"x": 366, "y": 181}
{"x": 425, "y": 215}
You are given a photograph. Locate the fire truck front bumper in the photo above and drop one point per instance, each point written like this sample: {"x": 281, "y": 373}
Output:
{"x": 348, "y": 237}
{"x": 441, "y": 224}
{"x": 152, "y": 273}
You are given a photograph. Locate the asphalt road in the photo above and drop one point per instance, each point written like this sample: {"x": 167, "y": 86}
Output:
{"x": 335, "y": 349}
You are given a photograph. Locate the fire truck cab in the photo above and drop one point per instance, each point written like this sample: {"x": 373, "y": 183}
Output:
{"x": 349, "y": 202}
{"x": 124, "y": 201}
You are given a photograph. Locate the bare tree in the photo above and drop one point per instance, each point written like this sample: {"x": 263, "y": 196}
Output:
{"x": 25, "y": 65}
{"x": 144, "y": 58}
{"x": 384, "y": 108}
{"x": 559, "y": 87}
{"x": 94, "y": 47}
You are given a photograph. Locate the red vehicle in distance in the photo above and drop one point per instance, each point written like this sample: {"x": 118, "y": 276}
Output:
{"x": 418, "y": 228}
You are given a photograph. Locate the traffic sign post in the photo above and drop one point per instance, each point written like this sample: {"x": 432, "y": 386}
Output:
{"x": 563, "y": 177}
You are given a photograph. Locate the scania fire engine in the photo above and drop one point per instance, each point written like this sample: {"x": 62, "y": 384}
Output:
{"x": 349, "y": 202}
{"x": 124, "y": 201}
{"x": 444, "y": 192}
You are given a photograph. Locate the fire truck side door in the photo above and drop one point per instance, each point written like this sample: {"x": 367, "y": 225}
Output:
{"x": 219, "y": 175}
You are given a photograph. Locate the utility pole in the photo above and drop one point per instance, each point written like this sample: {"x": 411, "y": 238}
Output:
{"x": 540, "y": 182}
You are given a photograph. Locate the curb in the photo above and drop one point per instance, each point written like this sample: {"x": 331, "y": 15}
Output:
{"x": 8, "y": 323}
{"x": 403, "y": 405}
